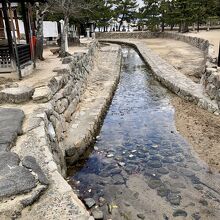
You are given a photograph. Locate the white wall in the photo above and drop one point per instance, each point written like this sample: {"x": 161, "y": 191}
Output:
{"x": 49, "y": 27}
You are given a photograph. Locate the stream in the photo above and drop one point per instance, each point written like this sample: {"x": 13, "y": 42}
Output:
{"x": 140, "y": 167}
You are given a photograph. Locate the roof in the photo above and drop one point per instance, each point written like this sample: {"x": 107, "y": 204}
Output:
{"x": 31, "y": 1}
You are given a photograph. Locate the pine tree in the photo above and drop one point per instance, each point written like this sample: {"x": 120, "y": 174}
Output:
{"x": 125, "y": 10}
{"x": 151, "y": 12}
{"x": 103, "y": 13}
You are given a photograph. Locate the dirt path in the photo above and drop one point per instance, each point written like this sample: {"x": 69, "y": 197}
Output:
{"x": 184, "y": 57}
{"x": 200, "y": 128}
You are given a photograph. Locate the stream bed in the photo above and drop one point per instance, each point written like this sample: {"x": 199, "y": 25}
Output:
{"x": 140, "y": 167}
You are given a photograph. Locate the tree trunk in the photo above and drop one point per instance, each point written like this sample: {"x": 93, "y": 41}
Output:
{"x": 180, "y": 27}
{"x": 162, "y": 26}
{"x": 121, "y": 22}
{"x": 198, "y": 25}
{"x": 64, "y": 38}
{"x": 39, "y": 32}
{"x": 171, "y": 27}
{"x": 184, "y": 27}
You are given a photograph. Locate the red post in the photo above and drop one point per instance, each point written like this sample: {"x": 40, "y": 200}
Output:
{"x": 219, "y": 56}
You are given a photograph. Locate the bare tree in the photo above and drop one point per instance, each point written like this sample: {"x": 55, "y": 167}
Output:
{"x": 69, "y": 8}
{"x": 41, "y": 10}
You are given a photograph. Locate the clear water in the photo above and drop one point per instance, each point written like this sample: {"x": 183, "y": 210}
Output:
{"x": 140, "y": 162}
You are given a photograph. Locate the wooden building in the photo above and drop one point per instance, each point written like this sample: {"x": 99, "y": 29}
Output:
{"x": 13, "y": 55}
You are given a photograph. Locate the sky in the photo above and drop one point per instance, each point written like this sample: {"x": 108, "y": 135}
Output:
{"x": 140, "y": 2}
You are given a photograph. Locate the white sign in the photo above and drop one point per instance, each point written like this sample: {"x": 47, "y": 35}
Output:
{"x": 50, "y": 29}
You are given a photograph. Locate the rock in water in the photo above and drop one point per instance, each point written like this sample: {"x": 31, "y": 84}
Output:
{"x": 141, "y": 216}
{"x": 97, "y": 214}
{"x": 89, "y": 202}
{"x": 179, "y": 212}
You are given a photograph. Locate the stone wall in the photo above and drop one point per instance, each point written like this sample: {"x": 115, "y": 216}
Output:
{"x": 194, "y": 41}
{"x": 210, "y": 75}
{"x": 45, "y": 125}
{"x": 62, "y": 94}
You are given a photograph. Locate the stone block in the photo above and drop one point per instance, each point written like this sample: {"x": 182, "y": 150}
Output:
{"x": 61, "y": 105}
{"x": 31, "y": 163}
{"x": 70, "y": 110}
{"x": 67, "y": 60}
{"x": 11, "y": 126}
{"x": 64, "y": 69}
{"x": 19, "y": 180}
{"x": 34, "y": 197}
{"x": 16, "y": 95}
{"x": 211, "y": 90}
{"x": 55, "y": 84}
{"x": 7, "y": 160}
{"x": 42, "y": 94}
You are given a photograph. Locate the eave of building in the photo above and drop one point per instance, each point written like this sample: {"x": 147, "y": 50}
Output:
{"x": 19, "y": 1}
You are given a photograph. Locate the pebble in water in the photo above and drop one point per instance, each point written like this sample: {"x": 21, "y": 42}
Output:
{"x": 162, "y": 170}
{"x": 179, "y": 212}
{"x": 172, "y": 167}
{"x": 154, "y": 183}
{"x": 89, "y": 202}
{"x": 203, "y": 202}
{"x": 110, "y": 155}
{"x": 196, "y": 216}
{"x": 154, "y": 163}
{"x": 174, "y": 176}
{"x": 141, "y": 216}
{"x": 162, "y": 191}
{"x": 102, "y": 201}
{"x": 168, "y": 160}
{"x": 174, "y": 199}
{"x": 118, "y": 179}
{"x": 121, "y": 164}
{"x": 97, "y": 214}
{"x": 96, "y": 148}
{"x": 198, "y": 187}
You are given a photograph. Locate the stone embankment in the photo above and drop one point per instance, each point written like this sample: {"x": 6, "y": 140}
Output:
{"x": 82, "y": 83}
{"x": 206, "y": 95}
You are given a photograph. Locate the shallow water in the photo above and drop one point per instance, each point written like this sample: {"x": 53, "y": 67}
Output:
{"x": 140, "y": 164}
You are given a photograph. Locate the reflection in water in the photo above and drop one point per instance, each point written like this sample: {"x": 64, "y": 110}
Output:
{"x": 138, "y": 139}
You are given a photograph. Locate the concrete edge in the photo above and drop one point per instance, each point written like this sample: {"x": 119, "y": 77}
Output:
{"x": 73, "y": 152}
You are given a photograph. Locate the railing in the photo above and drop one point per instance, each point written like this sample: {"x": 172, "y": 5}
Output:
{"x": 24, "y": 55}
{"x": 5, "y": 59}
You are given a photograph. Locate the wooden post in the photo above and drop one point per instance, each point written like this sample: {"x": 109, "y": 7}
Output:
{"x": 16, "y": 23}
{"x": 15, "y": 43}
{"x": 8, "y": 31}
{"x": 31, "y": 31}
{"x": 219, "y": 55}
{"x": 25, "y": 20}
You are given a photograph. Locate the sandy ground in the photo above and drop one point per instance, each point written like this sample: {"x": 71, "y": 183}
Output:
{"x": 201, "y": 129}
{"x": 213, "y": 36}
{"x": 184, "y": 57}
{"x": 44, "y": 69}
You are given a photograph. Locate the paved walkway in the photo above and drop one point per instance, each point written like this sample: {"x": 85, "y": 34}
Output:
{"x": 14, "y": 178}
